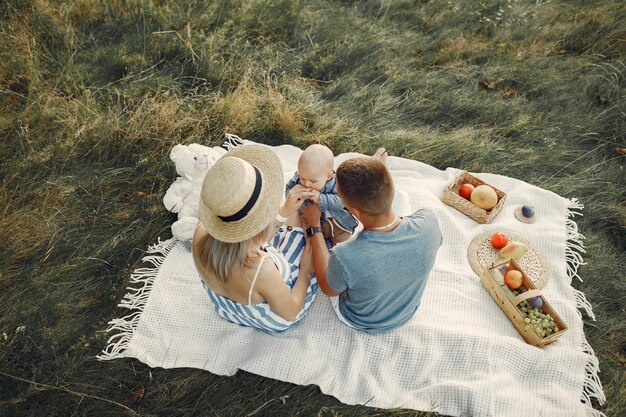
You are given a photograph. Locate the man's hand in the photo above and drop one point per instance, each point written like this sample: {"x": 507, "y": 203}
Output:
{"x": 312, "y": 213}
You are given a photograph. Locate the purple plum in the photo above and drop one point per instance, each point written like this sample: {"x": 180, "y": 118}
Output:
{"x": 535, "y": 302}
{"x": 528, "y": 211}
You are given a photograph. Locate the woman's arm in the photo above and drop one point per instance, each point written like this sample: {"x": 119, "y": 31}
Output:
{"x": 285, "y": 302}
{"x": 312, "y": 214}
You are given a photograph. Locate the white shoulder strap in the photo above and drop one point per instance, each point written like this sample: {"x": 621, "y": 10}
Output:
{"x": 256, "y": 275}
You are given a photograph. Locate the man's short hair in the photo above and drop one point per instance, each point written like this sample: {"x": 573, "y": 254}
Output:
{"x": 366, "y": 184}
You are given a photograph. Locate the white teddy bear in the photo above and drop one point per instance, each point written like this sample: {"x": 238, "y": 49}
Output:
{"x": 183, "y": 197}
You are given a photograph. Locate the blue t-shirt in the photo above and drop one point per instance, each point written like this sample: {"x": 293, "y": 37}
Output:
{"x": 381, "y": 276}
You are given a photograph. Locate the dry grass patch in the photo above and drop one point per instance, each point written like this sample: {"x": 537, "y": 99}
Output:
{"x": 258, "y": 104}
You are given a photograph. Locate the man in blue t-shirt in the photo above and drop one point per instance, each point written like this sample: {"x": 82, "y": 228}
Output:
{"x": 376, "y": 279}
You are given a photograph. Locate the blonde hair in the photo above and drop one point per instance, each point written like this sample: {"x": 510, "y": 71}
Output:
{"x": 223, "y": 259}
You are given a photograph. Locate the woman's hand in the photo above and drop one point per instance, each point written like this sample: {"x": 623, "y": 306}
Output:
{"x": 295, "y": 198}
{"x": 312, "y": 213}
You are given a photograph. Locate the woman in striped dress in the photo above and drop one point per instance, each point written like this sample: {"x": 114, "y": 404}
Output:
{"x": 250, "y": 250}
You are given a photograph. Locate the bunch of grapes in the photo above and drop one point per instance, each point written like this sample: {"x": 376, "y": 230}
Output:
{"x": 543, "y": 324}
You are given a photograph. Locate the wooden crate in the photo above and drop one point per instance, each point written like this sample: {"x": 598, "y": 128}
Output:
{"x": 451, "y": 197}
{"x": 510, "y": 306}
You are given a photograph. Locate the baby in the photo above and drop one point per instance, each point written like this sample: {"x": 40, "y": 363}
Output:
{"x": 315, "y": 172}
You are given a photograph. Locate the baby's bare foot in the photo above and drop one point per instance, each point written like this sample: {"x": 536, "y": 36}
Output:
{"x": 381, "y": 154}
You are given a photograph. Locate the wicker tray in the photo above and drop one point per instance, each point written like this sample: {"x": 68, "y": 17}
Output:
{"x": 451, "y": 197}
{"x": 482, "y": 255}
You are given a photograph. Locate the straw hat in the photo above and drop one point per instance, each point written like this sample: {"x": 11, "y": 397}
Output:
{"x": 241, "y": 193}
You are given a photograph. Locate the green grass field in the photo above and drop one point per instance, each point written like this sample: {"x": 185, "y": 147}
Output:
{"x": 93, "y": 95}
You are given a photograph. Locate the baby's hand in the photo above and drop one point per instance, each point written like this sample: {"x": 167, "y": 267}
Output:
{"x": 315, "y": 196}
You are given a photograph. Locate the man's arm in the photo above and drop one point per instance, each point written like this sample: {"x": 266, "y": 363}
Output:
{"x": 312, "y": 214}
{"x": 320, "y": 262}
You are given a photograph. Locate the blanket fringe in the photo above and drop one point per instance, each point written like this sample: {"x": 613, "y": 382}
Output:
{"x": 140, "y": 285}
{"x": 594, "y": 413}
{"x": 575, "y": 247}
{"x": 232, "y": 141}
{"x": 581, "y": 302}
{"x": 592, "y": 386}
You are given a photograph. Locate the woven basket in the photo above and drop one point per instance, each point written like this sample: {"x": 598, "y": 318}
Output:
{"x": 510, "y": 306}
{"x": 451, "y": 197}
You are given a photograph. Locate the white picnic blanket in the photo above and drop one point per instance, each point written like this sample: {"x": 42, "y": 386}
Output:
{"x": 459, "y": 355}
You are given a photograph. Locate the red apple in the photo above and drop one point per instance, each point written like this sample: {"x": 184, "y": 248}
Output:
{"x": 465, "y": 191}
{"x": 499, "y": 240}
{"x": 513, "y": 279}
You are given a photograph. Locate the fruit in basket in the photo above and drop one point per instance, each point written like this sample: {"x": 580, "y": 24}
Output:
{"x": 513, "y": 250}
{"x": 499, "y": 240}
{"x": 536, "y": 302}
{"x": 498, "y": 276}
{"x": 513, "y": 279}
{"x": 508, "y": 292}
{"x": 543, "y": 324}
{"x": 465, "y": 190}
{"x": 504, "y": 267}
{"x": 484, "y": 197}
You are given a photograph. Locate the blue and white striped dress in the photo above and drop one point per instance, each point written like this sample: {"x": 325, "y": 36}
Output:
{"x": 284, "y": 250}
